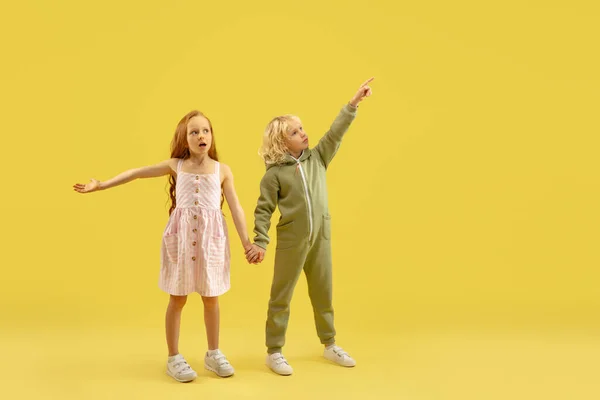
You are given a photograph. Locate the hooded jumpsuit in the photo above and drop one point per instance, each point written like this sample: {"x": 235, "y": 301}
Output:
{"x": 298, "y": 187}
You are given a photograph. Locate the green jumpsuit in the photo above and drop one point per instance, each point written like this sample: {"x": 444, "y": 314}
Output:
{"x": 298, "y": 187}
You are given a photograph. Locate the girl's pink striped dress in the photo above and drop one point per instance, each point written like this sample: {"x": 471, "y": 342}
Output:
{"x": 195, "y": 245}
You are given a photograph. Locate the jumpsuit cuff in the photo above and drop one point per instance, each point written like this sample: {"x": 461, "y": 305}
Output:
{"x": 261, "y": 244}
{"x": 350, "y": 109}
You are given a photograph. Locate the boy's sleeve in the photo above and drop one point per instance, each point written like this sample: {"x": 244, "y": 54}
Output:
{"x": 267, "y": 202}
{"x": 329, "y": 144}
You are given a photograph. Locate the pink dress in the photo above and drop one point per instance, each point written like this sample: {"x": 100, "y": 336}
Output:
{"x": 195, "y": 245}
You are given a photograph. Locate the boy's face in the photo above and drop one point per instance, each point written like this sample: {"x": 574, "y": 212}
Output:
{"x": 296, "y": 139}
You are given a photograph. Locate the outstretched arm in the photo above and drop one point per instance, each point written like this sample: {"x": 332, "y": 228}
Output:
{"x": 235, "y": 207}
{"x": 329, "y": 144}
{"x": 151, "y": 171}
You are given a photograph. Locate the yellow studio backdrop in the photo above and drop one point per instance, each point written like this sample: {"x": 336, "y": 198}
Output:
{"x": 464, "y": 198}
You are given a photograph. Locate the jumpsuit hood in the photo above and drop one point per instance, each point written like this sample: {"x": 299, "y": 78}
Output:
{"x": 289, "y": 160}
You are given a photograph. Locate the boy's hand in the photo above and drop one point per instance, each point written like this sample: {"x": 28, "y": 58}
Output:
{"x": 363, "y": 92}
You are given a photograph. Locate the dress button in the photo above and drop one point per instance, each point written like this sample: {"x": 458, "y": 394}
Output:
{"x": 193, "y": 258}
{"x": 195, "y": 217}
{"x": 196, "y": 203}
{"x": 197, "y": 190}
{"x": 197, "y": 177}
{"x": 194, "y": 243}
{"x": 194, "y": 230}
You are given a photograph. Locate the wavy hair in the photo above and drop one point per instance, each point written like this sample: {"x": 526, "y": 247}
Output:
{"x": 274, "y": 147}
{"x": 179, "y": 149}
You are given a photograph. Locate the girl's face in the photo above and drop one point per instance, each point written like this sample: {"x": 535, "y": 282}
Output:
{"x": 199, "y": 135}
{"x": 296, "y": 139}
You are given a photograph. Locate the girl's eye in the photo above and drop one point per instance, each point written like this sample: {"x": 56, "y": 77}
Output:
{"x": 206, "y": 131}
{"x": 194, "y": 132}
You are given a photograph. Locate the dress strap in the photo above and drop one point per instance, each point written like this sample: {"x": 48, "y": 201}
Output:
{"x": 179, "y": 165}
{"x": 217, "y": 168}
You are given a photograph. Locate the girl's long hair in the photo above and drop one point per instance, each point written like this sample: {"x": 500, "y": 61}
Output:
{"x": 179, "y": 149}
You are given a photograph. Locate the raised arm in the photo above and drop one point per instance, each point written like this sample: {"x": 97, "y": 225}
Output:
{"x": 163, "y": 168}
{"x": 330, "y": 143}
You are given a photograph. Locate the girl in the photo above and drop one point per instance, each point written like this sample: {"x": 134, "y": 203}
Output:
{"x": 295, "y": 181}
{"x": 195, "y": 245}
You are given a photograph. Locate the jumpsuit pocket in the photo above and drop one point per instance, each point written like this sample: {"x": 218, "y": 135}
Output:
{"x": 171, "y": 243}
{"x": 216, "y": 252}
{"x": 326, "y": 227}
{"x": 285, "y": 236}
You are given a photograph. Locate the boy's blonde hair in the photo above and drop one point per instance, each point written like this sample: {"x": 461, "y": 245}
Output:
{"x": 274, "y": 147}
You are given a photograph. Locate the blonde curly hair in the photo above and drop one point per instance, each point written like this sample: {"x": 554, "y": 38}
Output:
{"x": 274, "y": 147}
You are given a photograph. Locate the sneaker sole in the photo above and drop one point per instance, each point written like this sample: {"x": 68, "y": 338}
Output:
{"x": 181, "y": 380}
{"x": 280, "y": 373}
{"x": 341, "y": 365}
{"x": 209, "y": 368}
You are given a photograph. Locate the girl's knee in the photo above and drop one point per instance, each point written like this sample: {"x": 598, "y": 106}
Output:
{"x": 210, "y": 302}
{"x": 177, "y": 301}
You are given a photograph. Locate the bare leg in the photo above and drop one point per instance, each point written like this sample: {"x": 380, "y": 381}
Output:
{"x": 173, "y": 322}
{"x": 211, "y": 321}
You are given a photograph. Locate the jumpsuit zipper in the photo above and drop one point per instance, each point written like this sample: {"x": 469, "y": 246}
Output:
{"x": 310, "y": 219}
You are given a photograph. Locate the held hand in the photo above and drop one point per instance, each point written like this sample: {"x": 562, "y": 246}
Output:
{"x": 252, "y": 254}
{"x": 92, "y": 186}
{"x": 363, "y": 92}
{"x": 255, "y": 254}
{"x": 261, "y": 255}
{"x": 247, "y": 247}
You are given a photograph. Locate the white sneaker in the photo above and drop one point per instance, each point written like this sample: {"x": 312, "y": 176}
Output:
{"x": 279, "y": 364}
{"x": 338, "y": 356}
{"x": 218, "y": 364}
{"x": 180, "y": 370}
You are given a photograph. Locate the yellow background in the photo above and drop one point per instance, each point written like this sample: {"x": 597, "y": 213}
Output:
{"x": 464, "y": 198}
